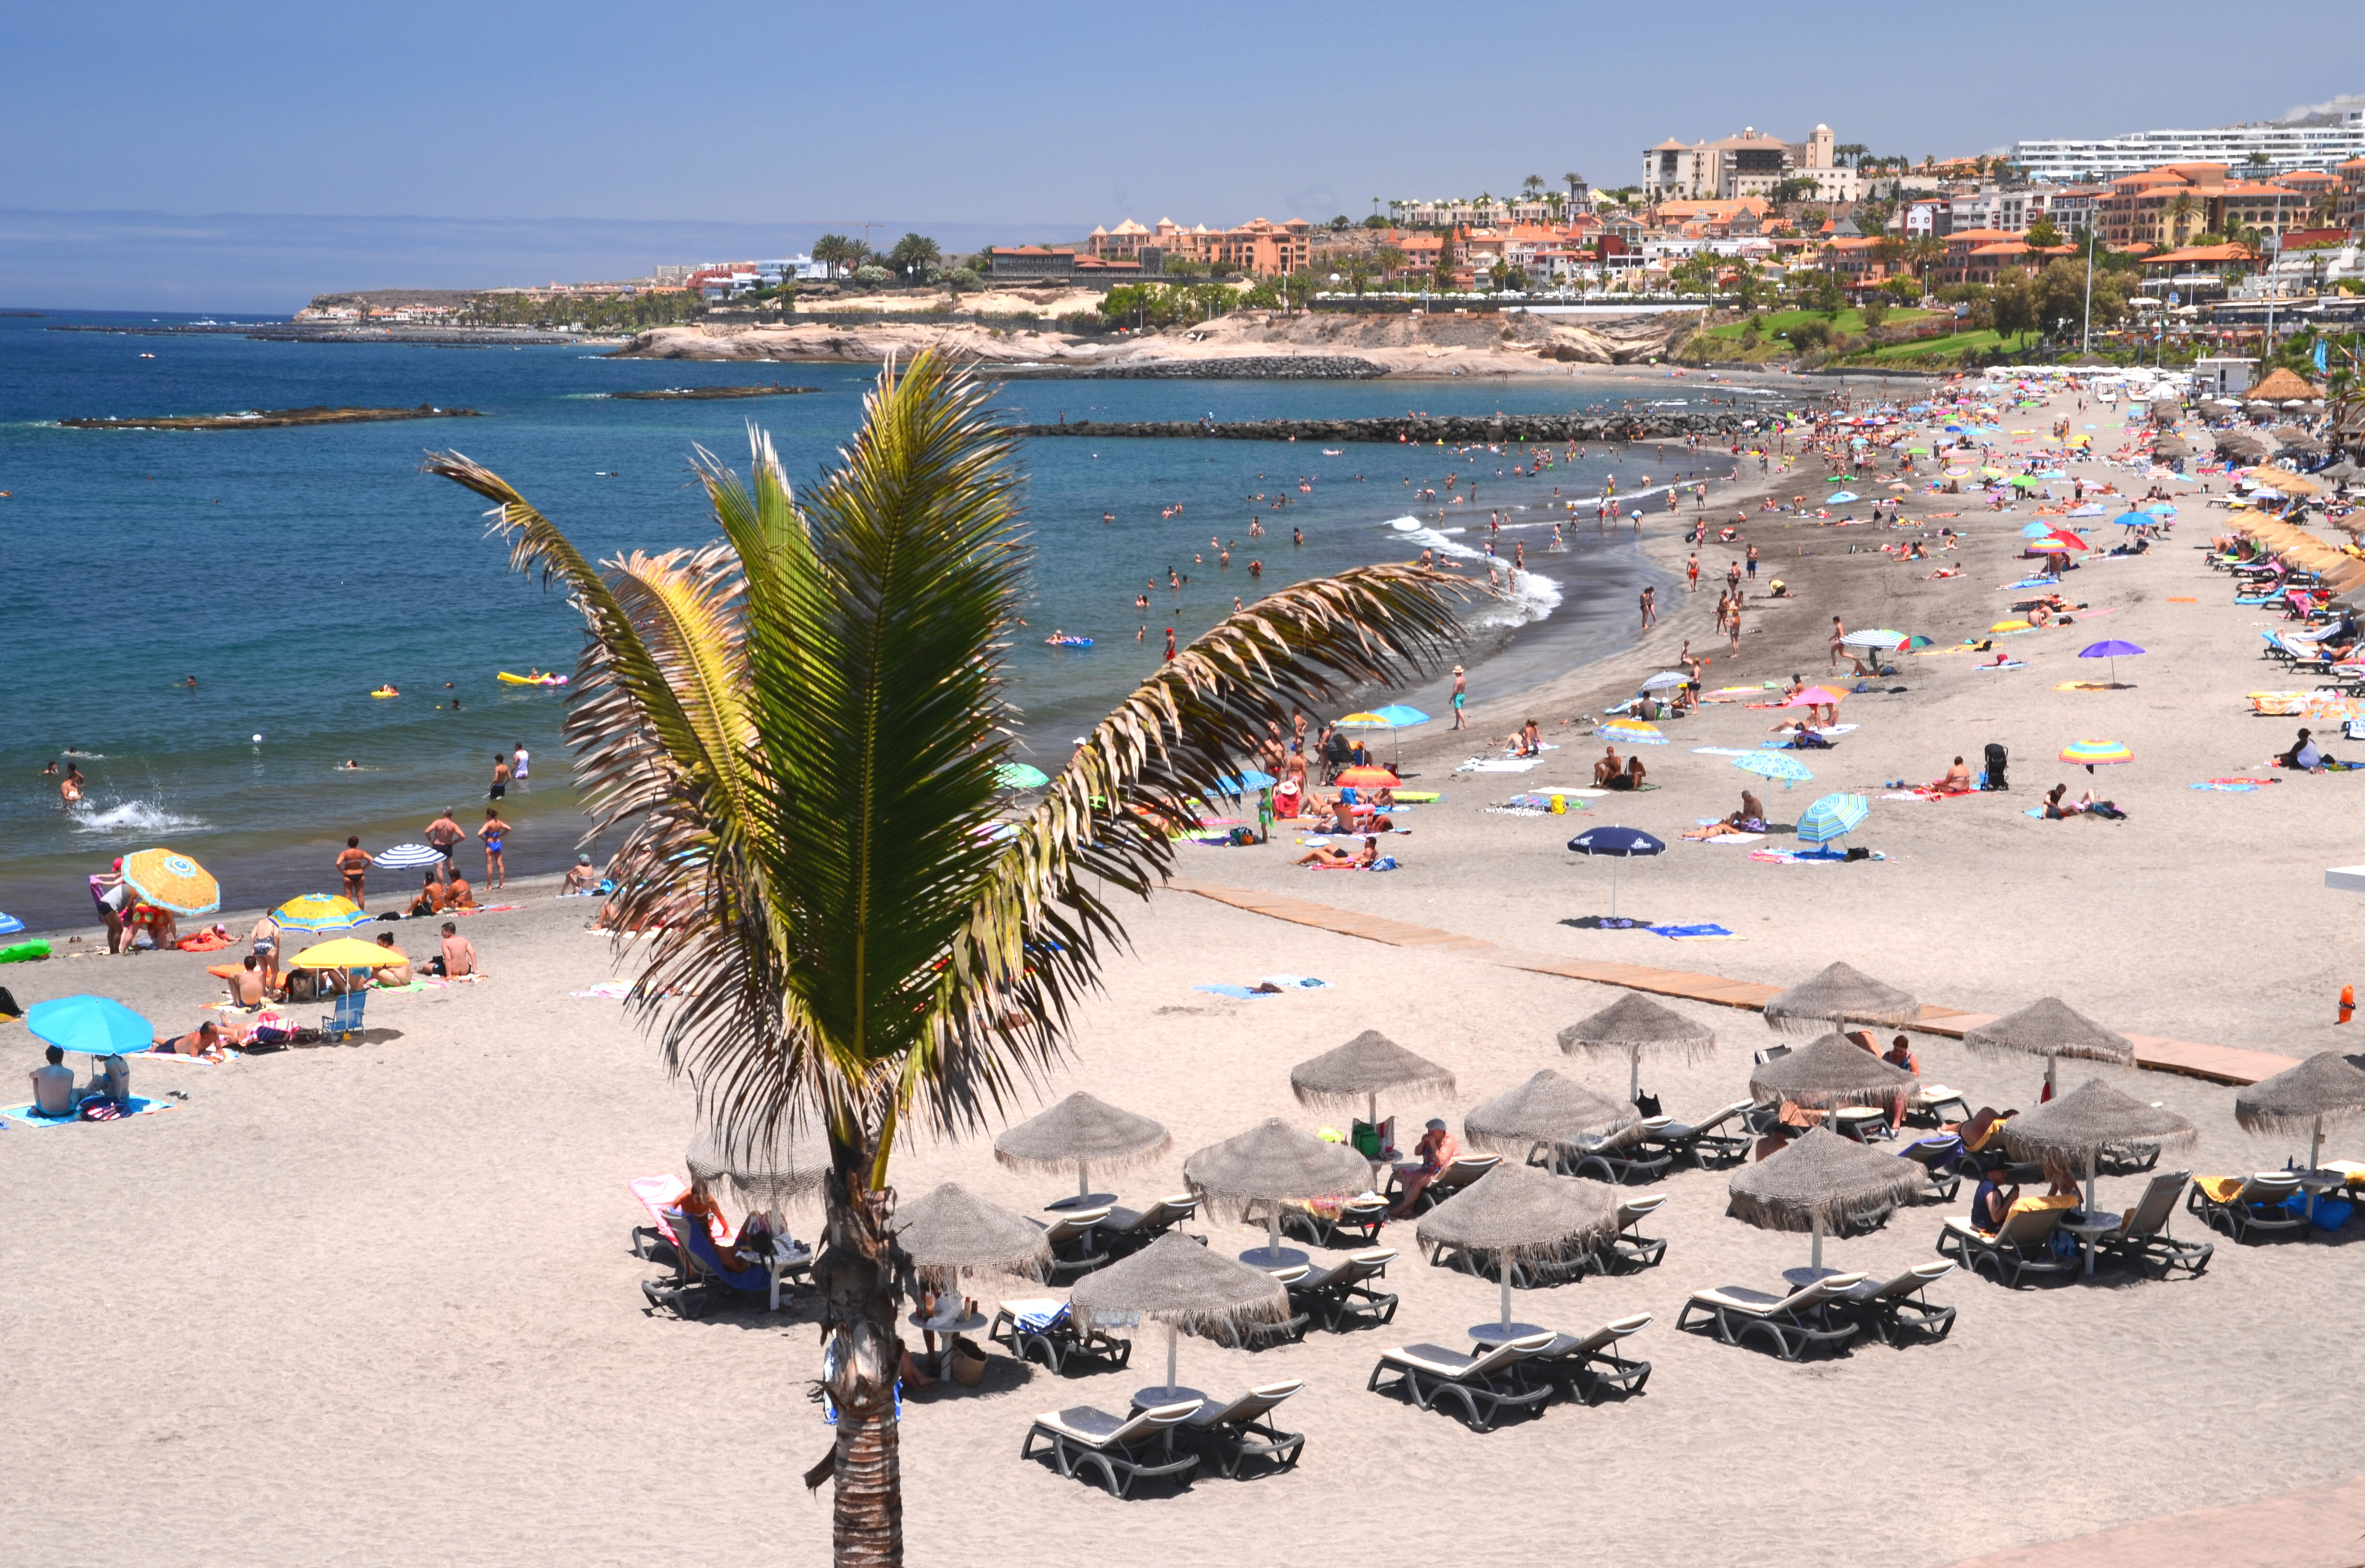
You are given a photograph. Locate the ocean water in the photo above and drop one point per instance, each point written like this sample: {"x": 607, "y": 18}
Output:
{"x": 293, "y": 571}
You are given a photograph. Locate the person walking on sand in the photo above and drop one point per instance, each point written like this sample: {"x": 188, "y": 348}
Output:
{"x": 1753, "y": 563}
{"x": 352, "y": 865}
{"x": 443, "y": 833}
{"x": 496, "y": 870}
{"x": 1460, "y": 694}
{"x": 1691, "y": 574}
{"x": 264, "y": 941}
{"x": 1650, "y": 608}
{"x": 1839, "y": 635}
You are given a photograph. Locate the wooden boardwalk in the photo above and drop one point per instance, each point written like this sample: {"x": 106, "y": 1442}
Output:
{"x": 2220, "y": 1064}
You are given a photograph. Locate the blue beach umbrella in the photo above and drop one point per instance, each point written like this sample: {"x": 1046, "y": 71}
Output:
{"x": 1838, "y": 497}
{"x": 1834, "y": 816}
{"x": 2132, "y": 519}
{"x": 2113, "y": 651}
{"x": 1401, "y": 716}
{"x": 92, "y": 1025}
{"x": 1779, "y": 765}
{"x": 1619, "y": 844}
{"x": 1236, "y": 784}
{"x": 2039, "y": 529}
{"x": 9, "y": 923}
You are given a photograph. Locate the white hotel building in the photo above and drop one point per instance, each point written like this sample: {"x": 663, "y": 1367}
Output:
{"x": 2288, "y": 149}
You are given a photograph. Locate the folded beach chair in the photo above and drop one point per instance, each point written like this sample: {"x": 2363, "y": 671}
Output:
{"x": 1122, "y": 1450}
{"x": 2143, "y": 1237}
{"x": 1465, "y": 1168}
{"x": 1929, "y": 1105}
{"x": 1700, "y": 1142}
{"x": 1241, "y": 1429}
{"x": 1583, "y": 1365}
{"x": 1483, "y": 1386}
{"x": 1074, "y": 1250}
{"x": 1126, "y": 1231}
{"x": 1629, "y": 1248}
{"x": 2023, "y": 1247}
{"x": 2244, "y": 1206}
{"x": 345, "y": 1023}
{"x": 1341, "y": 1292}
{"x": 1796, "y": 1323}
{"x": 1350, "y": 1222}
{"x": 1937, "y": 1153}
{"x": 1624, "y": 1156}
{"x": 1044, "y": 1328}
{"x": 658, "y": 1193}
{"x": 1898, "y": 1306}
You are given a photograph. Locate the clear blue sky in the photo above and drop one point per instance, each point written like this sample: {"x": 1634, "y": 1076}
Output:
{"x": 245, "y": 156}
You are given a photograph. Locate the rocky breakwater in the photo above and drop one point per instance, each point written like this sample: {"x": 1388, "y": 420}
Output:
{"x": 1636, "y": 424}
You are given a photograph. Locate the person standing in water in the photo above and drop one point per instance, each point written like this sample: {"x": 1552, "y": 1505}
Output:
{"x": 70, "y": 788}
{"x": 517, "y": 769}
{"x": 502, "y": 776}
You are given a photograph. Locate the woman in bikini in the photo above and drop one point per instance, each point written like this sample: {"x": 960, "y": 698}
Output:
{"x": 492, "y": 833}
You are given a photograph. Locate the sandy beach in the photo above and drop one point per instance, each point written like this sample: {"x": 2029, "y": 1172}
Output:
{"x": 373, "y": 1302}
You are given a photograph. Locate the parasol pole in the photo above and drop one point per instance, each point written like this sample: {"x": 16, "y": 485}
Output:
{"x": 1502, "y": 1265}
{"x": 1816, "y": 1260}
{"x": 1633, "y": 1073}
{"x": 1083, "y": 1179}
{"x": 1170, "y": 1334}
{"x": 1272, "y": 1230}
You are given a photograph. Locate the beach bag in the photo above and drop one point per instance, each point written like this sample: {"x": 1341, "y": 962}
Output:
{"x": 99, "y": 1110}
{"x": 1366, "y": 1139}
{"x": 9, "y": 1008}
{"x": 1384, "y": 863}
{"x": 965, "y": 1362}
{"x": 1648, "y": 1105}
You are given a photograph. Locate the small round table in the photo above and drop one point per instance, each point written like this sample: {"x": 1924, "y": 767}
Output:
{"x": 1273, "y": 1259}
{"x": 2320, "y": 1184}
{"x": 1490, "y": 1335}
{"x": 1081, "y": 1201}
{"x": 945, "y": 1323}
{"x": 1800, "y": 1279}
{"x": 2091, "y": 1231}
{"x": 1152, "y": 1398}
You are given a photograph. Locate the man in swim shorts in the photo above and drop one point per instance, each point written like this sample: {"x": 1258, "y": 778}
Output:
{"x": 502, "y": 774}
{"x": 443, "y": 833}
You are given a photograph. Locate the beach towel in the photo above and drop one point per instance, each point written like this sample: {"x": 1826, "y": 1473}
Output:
{"x": 1499, "y": 765}
{"x": 660, "y": 1193}
{"x": 2087, "y": 686}
{"x": 1704, "y": 931}
{"x": 25, "y": 1115}
{"x": 1607, "y": 923}
{"x": 605, "y": 990}
{"x": 2008, "y": 664}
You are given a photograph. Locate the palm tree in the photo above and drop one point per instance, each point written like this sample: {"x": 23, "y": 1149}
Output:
{"x": 1574, "y": 182}
{"x": 800, "y": 725}
{"x": 1533, "y": 186}
{"x": 2180, "y": 209}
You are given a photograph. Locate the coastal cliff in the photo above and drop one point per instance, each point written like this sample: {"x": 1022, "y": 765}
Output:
{"x": 1245, "y": 344}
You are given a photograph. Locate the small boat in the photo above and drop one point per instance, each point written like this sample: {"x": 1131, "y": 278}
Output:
{"x": 385, "y": 691}
{"x": 537, "y": 678}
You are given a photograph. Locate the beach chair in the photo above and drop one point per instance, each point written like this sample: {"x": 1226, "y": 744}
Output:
{"x": 2244, "y": 1206}
{"x": 1929, "y": 1104}
{"x": 345, "y": 1023}
{"x": 1862, "y": 1123}
{"x": 1700, "y": 1142}
{"x": 2126, "y": 1159}
{"x": 1127, "y": 1231}
{"x": 1624, "y": 1156}
{"x": 1239, "y": 1431}
{"x": 1483, "y": 1386}
{"x": 701, "y": 1279}
{"x": 1796, "y": 1323}
{"x": 2143, "y": 1238}
{"x": 1262, "y": 1335}
{"x": 1074, "y": 1250}
{"x": 1352, "y": 1222}
{"x": 1938, "y": 1154}
{"x": 658, "y": 1193}
{"x": 1341, "y": 1293}
{"x": 1629, "y": 1248}
{"x": 1044, "y": 1328}
{"x": 2023, "y": 1247}
{"x": 1465, "y": 1168}
{"x": 1122, "y": 1450}
{"x": 1899, "y": 1306}
{"x": 1584, "y": 1367}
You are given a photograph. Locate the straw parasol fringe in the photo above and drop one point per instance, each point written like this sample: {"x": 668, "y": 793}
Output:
{"x": 1083, "y": 1130}
{"x": 766, "y": 1170}
{"x": 2050, "y": 1027}
{"x": 1823, "y": 1181}
{"x": 1271, "y": 1163}
{"x": 1832, "y": 1071}
{"x": 2070, "y": 1131}
{"x": 1176, "y": 1282}
{"x": 1519, "y": 1214}
{"x": 1840, "y": 992}
{"x": 1633, "y": 1023}
{"x": 2326, "y": 1087}
{"x": 953, "y": 1234}
{"x": 1367, "y": 1065}
{"x": 1547, "y": 1108}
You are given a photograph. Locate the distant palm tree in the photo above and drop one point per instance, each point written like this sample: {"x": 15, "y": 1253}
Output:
{"x": 799, "y": 727}
{"x": 2180, "y": 209}
{"x": 1533, "y": 186}
{"x": 1574, "y": 182}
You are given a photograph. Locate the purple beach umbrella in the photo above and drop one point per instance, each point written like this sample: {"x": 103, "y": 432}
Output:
{"x": 2111, "y": 650}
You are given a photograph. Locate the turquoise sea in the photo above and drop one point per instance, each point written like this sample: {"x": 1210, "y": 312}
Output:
{"x": 292, "y": 571}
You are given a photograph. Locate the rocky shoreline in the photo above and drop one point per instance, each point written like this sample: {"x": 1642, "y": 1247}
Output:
{"x": 1237, "y": 368}
{"x": 1423, "y": 429}
{"x": 696, "y": 394}
{"x": 271, "y": 419}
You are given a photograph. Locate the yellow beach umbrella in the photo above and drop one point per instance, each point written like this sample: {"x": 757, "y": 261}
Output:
{"x": 172, "y": 881}
{"x": 319, "y": 912}
{"x": 349, "y": 953}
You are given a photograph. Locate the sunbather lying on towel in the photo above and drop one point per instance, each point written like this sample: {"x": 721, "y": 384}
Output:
{"x": 205, "y": 1040}
{"x": 1332, "y": 855}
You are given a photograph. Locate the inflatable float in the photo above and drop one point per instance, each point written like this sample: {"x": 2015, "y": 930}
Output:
{"x": 385, "y": 691}
{"x": 1067, "y": 642}
{"x": 537, "y": 678}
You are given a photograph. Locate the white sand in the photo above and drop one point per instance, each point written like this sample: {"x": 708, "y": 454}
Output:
{"x": 373, "y": 1303}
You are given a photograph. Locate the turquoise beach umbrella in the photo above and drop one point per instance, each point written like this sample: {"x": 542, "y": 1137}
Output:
{"x": 1839, "y": 497}
{"x": 93, "y": 1025}
{"x": 1019, "y": 775}
{"x": 1834, "y": 816}
{"x": 1780, "y": 767}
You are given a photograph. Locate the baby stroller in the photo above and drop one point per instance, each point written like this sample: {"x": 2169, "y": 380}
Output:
{"x": 1996, "y": 759}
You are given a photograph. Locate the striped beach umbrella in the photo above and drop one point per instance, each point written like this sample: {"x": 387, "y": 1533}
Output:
{"x": 1779, "y": 765}
{"x": 1834, "y": 816}
{"x": 1633, "y": 732}
{"x": 319, "y": 912}
{"x": 1019, "y": 775}
{"x": 406, "y": 858}
{"x": 2092, "y": 755}
{"x": 172, "y": 881}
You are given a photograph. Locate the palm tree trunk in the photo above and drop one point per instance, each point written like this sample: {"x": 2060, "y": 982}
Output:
{"x": 857, "y": 1279}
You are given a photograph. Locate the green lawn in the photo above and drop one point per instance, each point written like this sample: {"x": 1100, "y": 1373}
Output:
{"x": 1949, "y": 347}
{"x": 1725, "y": 341}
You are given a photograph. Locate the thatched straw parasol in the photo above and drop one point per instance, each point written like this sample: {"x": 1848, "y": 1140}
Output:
{"x": 1547, "y": 1108}
{"x": 2241, "y": 444}
{"x": 2168, "y": 448}
{"x": 1634, "y": 1023}
{"x": 2069, "y": 1133}
{"x": 1082, "y": 1132}
{"x": 1830, "y": 1072}
{"x": 1360, "y": 1071}
{"x": 2051, "y": 1028}
{"x": 1840, "y": 995}
{"x": 1521, "y": 1214}
{"x": 766, "y": 1170}
{"x": 2326, "y": 1087}
{"x": 1272, "y": 1163}
{"x": 953, "y": 1234}
{"x": 1187, "y": 1287}
{"x": 1823, "y": 1181}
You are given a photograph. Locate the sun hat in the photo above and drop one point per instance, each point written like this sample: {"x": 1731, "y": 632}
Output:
{"x": 1435, "y": 1124}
